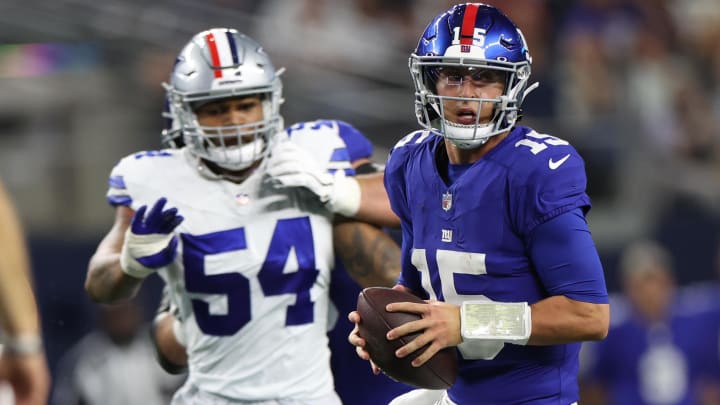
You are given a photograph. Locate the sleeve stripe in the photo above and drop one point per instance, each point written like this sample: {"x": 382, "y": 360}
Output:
{"x": 116, "y": 200}
{"x": 117, "y": 182}
{"x": 340, "y": 154}
{"x": 348, "y": 172}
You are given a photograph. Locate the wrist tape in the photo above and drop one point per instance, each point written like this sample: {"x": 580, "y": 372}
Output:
{"x": 345, "y": 198}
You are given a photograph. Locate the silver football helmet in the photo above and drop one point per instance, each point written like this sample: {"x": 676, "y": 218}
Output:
{"x": 221, "y": 63}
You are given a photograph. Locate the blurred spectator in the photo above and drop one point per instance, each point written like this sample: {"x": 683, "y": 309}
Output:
{"x": 687, "y": 175}
{"x": 675, "y": 155}
{"x": 651, "y": 86}
{"x": 363, "y": 37}
{"x": 703, "y": 299}
{"x": 114, "y": 365}
{"x": 587, "y": 86}
{"x": 698, "y": 25}
{"x": 536, "y": 21}
{"x": 344, "y": 60}
{"x": 651, "y": 353}
{"x": 24, "y": 373}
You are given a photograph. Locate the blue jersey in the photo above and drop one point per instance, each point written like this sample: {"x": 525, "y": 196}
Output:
{"x": 699, "y": 303}
{"x": 475, "y": 237}
{"x": 655, "y": 363}
{"x": 355, "y": 382}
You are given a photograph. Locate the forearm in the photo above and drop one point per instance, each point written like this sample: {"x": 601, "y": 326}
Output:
{"x": 370, "y": 256}
{"x": 559, "y": 320}
{"x": 171, "y": 354}
{"x": 18, "y": 309}
{"x": 106, "y": 282}
{"x": 374, "y": 203}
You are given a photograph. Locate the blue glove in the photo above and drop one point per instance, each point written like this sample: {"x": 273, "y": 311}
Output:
{"x": 150, "y": 242}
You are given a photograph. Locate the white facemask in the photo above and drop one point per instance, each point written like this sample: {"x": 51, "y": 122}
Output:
{"x": 238, "y": 157}
{"x": 467, "y": 136}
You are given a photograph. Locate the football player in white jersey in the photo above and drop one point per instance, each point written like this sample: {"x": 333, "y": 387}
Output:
{"x": 247, "y": 260}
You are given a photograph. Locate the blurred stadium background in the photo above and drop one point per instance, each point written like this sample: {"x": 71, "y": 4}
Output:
{"x": 633, "y": 84}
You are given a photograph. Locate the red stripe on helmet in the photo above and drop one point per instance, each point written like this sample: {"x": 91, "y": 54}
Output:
{"x": 468, "y": 24}
{"x": 212, "y": 45}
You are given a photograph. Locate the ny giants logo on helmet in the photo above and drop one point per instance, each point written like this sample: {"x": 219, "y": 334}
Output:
{"x": 467, "y": 34}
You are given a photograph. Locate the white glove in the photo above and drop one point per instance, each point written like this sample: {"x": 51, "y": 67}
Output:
{"x": 150, "y": 241}
{"x": 291, "y": 166}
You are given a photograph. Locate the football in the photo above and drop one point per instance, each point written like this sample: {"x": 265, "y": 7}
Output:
{"x": 437, "y": 373}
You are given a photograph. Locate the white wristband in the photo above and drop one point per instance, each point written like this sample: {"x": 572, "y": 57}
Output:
{"x": 140, "y": 246}
{"x": 133, "y": 268}
{"x": 22, "y": 344}
{"x": 487, "y": 320}
{"x": 345, "y": 198}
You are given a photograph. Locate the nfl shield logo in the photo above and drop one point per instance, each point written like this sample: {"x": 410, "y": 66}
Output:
{"x": 447, "y": 201}
{"x": 242, "y": 199}
{"x": 464, "y": 48}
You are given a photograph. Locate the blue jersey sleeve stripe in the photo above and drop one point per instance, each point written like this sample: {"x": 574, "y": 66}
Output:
{"x": 159, "y": 259}
{"x": 117, "y": 182}
{"x": 117, "y": 200}
{"x": 348, "y": 172}
{"x": 358, "y": 146}
{"x": 340, "y": 155}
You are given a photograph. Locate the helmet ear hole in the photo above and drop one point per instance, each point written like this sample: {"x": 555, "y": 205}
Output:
{"x": 171, "y": 135}
{"x": 432, "y": 115}
{"x": 430, "y": 76}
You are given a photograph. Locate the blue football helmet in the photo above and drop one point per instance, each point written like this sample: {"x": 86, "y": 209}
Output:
{"x": 216, "y": 64}
{"x": 471, "y": 37}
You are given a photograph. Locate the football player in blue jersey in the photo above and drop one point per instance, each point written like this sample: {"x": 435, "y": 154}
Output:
{"x": 662, "y": 347}
{"x": 247, "y": 261}
{"x": 493, "y": 224}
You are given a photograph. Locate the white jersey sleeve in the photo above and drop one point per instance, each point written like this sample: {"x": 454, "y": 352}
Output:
{"x": 331, "y": 142}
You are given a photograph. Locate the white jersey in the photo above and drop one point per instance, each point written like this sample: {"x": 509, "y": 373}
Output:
{"x": 252, "y": 273}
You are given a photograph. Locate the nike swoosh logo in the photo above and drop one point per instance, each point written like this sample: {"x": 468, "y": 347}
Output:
{"x": 555, "y": 164}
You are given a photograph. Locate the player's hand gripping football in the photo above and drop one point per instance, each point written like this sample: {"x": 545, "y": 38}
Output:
{"x": 291, "y": 166}
{"x": 440, "y": 327}
{"x": 359, "y": 343}
{"x": 150, "y": 242}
